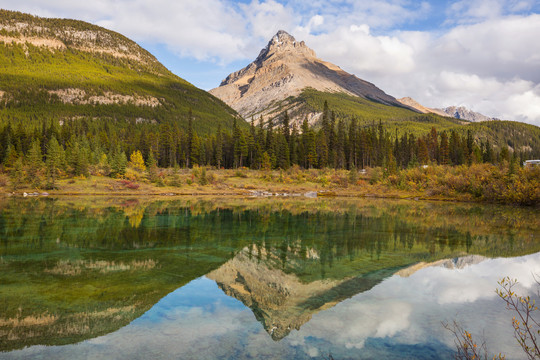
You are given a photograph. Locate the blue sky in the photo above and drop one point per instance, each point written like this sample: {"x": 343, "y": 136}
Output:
{"x": 482, "y": 54}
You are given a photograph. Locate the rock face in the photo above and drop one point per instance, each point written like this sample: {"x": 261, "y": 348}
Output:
{"x": 465, "y": 114}
{"x": 283, "y": 69}
{"x": 410, "y": 102}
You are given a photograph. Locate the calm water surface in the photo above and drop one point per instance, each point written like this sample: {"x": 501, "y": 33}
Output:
{"x": 257, "y": 278}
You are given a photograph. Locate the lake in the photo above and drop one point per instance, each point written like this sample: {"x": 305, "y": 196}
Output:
{"x": 253, "y": 278}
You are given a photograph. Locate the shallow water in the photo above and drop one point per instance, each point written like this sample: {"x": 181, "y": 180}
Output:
{"x": 257, "y": 278}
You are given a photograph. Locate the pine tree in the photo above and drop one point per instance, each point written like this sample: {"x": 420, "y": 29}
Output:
{"x": 17, "y": 174}
{"x": 286, "y": 128}
{"x": 470, "y": 149}
{"x": 195, "y": 150}
{"x": 283, "y": 153}
{"x": 444, "y": 150}
{"x": 293, "y": 145}
{"x": 423, "y": 152}
{"x": 311, "y": 149}
{"x": 433, "y": 145}
{"x": 118, "y": 163}
{"x": 219, "y": 148}
{"x": 353, "y": 144}
{"x": 54, "y": 163}
{"x": 190, "y": 139}
{"x": 151, "y": 165}
{"x": 340, "y": 146}
{"x": 322, "y": 150}
{"x": 35, "y": 164}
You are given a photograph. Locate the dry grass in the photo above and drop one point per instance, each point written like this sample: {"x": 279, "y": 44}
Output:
{"x": 47, "y": 325}
{"x": 32, "y": 320}
{"x": 73, "y": 268}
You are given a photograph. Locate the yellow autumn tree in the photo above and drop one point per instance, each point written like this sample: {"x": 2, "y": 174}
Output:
{"x": 136, "y": 161}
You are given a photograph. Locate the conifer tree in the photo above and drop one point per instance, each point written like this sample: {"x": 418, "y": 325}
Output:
{"x": 340, "y": 146}
{"x": 353, "y": 141}
{"x": 311, "y": 150}
{"x": 444, "y": 150}
{"x": 55, "y": 162}
{"x": 423, "y": 152}
{"x": 293, "y": 146}
{"x": 286, "y": 128}
{"x": 190, "y": 138}
{"x": 470, "y": 149}
{"x": 35, "y": 163}
{"x": 195, "y": 151}
{"x": 322, "y": 150}
{"x": 17, "y": 175}
{"x": 118, "y": 163}
{"x": 151, "y": 165}
{"x": 219, "y": 148}
{"x": 283, "y": 153}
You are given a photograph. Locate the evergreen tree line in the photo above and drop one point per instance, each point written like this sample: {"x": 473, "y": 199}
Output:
{"x": 78, "y": 146}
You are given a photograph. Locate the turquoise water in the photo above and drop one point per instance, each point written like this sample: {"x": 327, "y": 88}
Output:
{"x": 247, "y": 278}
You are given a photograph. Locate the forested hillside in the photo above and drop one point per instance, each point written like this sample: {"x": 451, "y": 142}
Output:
{"x": 61, "y": 71}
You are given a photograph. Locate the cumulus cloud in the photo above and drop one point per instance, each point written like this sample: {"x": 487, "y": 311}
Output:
{"x": 485, "y": 55}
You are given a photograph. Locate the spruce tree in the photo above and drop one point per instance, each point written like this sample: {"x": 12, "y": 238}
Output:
{"x": 219, "y": 148}
{"x": 444, "y": 150}
{"x": 151, "y": 166}
{"x": 35, "y": 164}
{"x": 17, "y": 174}
{"x": 190, "y": 138}
{"x": 54, "y": 163}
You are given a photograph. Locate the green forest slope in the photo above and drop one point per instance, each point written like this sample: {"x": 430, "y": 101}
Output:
{"x": 524, "y": 137}
{"x": 65, "y": 69}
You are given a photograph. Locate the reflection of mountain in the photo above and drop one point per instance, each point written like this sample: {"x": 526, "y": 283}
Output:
{"x": 279, "y": 300}
{"x": 70, "y": 272}
{"x": 455, "y": 263}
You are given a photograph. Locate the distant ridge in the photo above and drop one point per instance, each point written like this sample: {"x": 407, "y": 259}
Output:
{"x": 414, "y": 104}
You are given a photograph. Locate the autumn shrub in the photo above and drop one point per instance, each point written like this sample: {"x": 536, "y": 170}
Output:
{"x": 323, "y": 180}
{"x": 132, "y": 174}
{"x": 240, "y": 173}
{"x": 3, "y": 180}
{"x": 128, "y": 184}
{"x": 375, "y": 175}
{"x": 203, "y": 180}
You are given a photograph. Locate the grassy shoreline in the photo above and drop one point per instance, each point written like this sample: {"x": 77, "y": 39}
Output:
{"x": 477, "y": 183}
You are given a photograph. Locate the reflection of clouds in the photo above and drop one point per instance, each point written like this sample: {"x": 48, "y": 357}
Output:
{"x": 200, "y": 321}
{"x": 410, "y": 310}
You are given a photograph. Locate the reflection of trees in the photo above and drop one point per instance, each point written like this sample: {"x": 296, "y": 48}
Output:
{"x": 311, "y": 240}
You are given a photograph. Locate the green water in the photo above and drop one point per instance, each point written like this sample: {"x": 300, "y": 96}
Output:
{"x": 75, "y": 270}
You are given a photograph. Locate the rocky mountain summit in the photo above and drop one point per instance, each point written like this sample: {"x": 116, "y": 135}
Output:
{"x": 283, "y": 69}
{"x": 461, "y": 112}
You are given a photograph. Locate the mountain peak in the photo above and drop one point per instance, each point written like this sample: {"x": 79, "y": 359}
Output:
{"x": 461, "y": 112}
{"x": 283, "y": 36}
{"x": 284, "y": 43}
{"x": 283, "y": 69}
